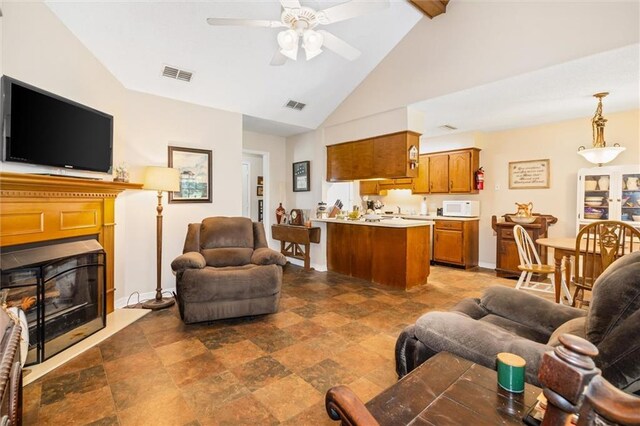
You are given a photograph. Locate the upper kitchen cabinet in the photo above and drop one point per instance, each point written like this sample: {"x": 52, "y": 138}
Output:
{"x": 421, "y": 183}
{"x": 454, "y": 171}
{"x": 374, "y": 158}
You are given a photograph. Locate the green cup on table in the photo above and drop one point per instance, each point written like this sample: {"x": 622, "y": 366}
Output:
{"x": 511, "y": 370}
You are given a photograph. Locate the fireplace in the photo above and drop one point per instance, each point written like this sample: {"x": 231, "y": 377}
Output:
{"x": 61, "y": 288}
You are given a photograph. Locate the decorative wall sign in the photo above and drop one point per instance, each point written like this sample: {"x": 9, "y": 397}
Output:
{"x": 195, "y": 167}
{"x": 530, "y": 174}
{"x": 260, "y": 210}
{"x": 301, "y": 176}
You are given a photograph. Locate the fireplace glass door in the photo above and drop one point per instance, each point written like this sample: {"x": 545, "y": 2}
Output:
{"x": 63, "y": 300}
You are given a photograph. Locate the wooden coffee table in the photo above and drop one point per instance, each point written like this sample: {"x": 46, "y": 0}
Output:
{"x": 449, "y": 390}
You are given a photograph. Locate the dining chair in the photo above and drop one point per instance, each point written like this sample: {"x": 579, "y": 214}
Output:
{"x": 597, "y": 246}
{"x": 530, "y": 264}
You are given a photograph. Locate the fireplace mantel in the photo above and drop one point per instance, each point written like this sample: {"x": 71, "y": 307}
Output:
{"x": 38, "y": 208}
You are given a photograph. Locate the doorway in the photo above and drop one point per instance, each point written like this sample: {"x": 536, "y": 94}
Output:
{"x": 254, "y": 185}
{"x": 246, "y": 199}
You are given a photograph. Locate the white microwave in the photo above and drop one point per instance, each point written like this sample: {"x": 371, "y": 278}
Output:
{"x": 461, "y": 208}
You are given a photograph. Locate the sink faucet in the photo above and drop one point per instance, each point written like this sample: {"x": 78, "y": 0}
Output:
{"x": 399, "y": 212}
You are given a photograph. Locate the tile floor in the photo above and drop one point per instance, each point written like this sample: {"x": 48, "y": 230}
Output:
{"x": 265, "y": 370}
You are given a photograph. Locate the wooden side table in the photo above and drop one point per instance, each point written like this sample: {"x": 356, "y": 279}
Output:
{"x": 295, "y": 241}
{"x": 445, "y": 390}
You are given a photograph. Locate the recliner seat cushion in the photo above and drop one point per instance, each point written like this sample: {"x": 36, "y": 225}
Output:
{"x": 227, "y": 256}
{"x": 229, "y": 283}
{"x": 516, "y": 328}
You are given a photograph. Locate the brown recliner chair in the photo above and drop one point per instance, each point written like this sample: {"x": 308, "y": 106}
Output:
{"x": 227, "y": 270}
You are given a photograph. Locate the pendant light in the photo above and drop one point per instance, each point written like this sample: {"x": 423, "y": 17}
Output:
{"x": 600, "y": 153}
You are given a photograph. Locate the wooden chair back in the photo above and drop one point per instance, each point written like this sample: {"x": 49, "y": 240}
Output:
{"x": 526, "y": 248}
{"x": 599, "y": 244}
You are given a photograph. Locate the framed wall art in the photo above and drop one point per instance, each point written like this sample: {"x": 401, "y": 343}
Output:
{"x": 301, "y": 176}
{"x": 196, "y": 173}
{"x": 260, "y": 191}
{"x": 529, "y": 174}
{"x": 260, "y": 181}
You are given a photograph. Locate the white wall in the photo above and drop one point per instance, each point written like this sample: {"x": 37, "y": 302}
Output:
{"x": 38, "y": 49}
{"x": 255, "y": 170}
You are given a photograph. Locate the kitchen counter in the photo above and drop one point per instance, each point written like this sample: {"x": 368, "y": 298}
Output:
{"x": 396, "y": 222}
{"x": 394, "y": 252}
{"x": 432, "y": 217}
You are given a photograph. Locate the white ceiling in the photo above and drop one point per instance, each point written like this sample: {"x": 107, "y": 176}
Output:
{"x": 231, "y": 64}
{"x": 556, "y": 93}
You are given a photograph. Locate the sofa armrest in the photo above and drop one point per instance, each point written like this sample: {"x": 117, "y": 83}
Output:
{"x": 267, "y": 256}
{"x": 472, "y": 307}
{"x": 477, "y": 341}
{"x": 189, "y": 260}
{"x": 527, "y": 309}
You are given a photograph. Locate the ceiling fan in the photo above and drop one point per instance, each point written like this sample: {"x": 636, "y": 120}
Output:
{"x": 301, "y": 22}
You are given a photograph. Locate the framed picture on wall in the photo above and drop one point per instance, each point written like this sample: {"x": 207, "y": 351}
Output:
{"x": 530, "y": 174}
{"x": 195, "y": 166}
{"x": 301, "y": 176}
{"x": 260, "y": 181}
{"x": 260, "y": 210}
{"x": 260, "y": 191}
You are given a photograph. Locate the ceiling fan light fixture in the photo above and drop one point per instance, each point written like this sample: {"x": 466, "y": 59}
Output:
{"x": 288, "y": 40}
{"x": 312, "y": 40}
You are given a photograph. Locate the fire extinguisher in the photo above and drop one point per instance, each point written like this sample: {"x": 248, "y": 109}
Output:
{"x": 480, "y": 178}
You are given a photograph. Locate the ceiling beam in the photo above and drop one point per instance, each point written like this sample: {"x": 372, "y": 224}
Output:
{"x": 431, "y": 8}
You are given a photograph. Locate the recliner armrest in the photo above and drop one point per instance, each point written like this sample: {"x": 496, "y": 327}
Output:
{"x": 477, "y": 341}
{"x": 527, "y": 309}
{"x": 189, "y": 260}
{"x": 267, "y": 256}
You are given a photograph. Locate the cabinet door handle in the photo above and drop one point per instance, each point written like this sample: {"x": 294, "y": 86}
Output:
{"x": 618, "y": 200}
{"x": 430, "y": 185}
{"x": 450, "y": 185}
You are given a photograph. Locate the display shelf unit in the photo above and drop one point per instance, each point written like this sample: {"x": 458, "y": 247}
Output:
{"x": 609, "y": 193}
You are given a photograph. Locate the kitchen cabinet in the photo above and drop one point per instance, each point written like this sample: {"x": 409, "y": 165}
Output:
{"x": 421, "y": 183}
{"x": 453, "y": 171}
{"x": 371, "y": 187}
{"x": 507, "y": 259}
{"x": 438, "y": 173}
{"x": 609, "y": 193}
{"x": 385, "y": 156}
{"x": 456, "y": 242}
{"x": 339, "y": 162}
{"x": 402, "y": 183}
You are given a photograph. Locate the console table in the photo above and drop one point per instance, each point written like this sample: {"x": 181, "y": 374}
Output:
{"x": 445, "y": 390}
{"x": 295, "y": 241}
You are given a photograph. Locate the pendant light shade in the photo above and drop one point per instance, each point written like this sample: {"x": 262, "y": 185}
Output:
{"x": 600, "y": 153}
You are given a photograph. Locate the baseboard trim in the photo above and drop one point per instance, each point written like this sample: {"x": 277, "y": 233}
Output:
{"x": 122, "y": 302}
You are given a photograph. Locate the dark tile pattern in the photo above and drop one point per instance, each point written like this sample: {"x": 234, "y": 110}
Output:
{"x": 262, "y": 370}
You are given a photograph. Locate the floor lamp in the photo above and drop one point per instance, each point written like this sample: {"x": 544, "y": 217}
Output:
{"x": 160, "y": 179}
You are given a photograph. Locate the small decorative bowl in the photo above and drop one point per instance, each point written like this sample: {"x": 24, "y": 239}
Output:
{"x": 593, "y": 203}
{"x": 522, "y": 219}
{"x": 593, "y": 215}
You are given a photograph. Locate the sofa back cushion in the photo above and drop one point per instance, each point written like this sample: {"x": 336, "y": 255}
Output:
{"x": 616, "y": 296}
{"x": 226, "y": 241}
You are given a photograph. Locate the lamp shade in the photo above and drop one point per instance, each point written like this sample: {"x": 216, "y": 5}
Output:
{"x": 161, "y": 178}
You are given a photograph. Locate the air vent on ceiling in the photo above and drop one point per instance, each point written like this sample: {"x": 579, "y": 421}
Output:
{"x": 295, "y": 105}
{"x": 176, "y": 73}
{"x": 448, "y": 127}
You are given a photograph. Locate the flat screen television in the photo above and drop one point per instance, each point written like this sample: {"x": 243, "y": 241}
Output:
{"x": 45, "y": 129}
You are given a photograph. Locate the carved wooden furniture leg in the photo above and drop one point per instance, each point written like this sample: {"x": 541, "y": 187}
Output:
{"x": 558, "y": 257}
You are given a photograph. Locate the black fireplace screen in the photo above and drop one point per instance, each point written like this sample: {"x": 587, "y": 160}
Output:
{"x": 61, "y": 289}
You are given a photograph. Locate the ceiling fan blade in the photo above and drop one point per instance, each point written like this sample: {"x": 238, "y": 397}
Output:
{"x": 291, "y": 4}
{"x": 339, "y": 46}
{"x": 349, "y": 10}
{"x": 278, "y": 59}
{"x": 244, "y": 22}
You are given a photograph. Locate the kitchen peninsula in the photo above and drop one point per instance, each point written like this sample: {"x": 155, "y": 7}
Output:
{"x": 393, "y": 252}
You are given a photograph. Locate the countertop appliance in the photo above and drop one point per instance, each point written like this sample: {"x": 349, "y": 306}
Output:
{"x": 461, "y": 208}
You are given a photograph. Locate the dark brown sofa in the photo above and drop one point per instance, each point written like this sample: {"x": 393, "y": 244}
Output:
{"x": 227, "y": 271}
{"x": 508, "y": 320}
